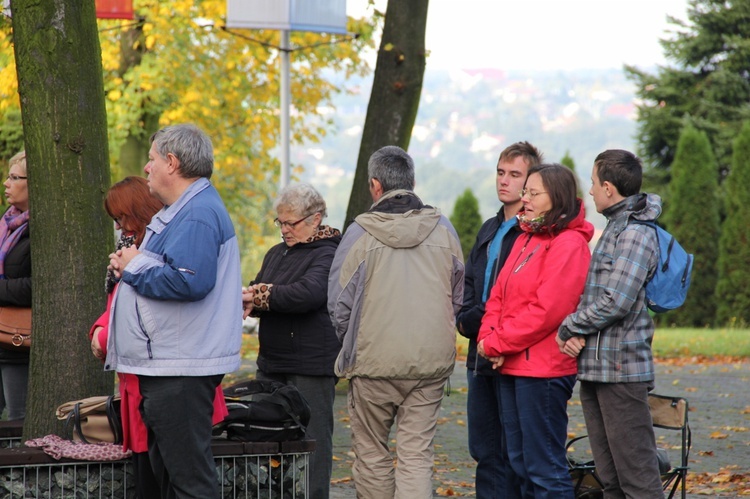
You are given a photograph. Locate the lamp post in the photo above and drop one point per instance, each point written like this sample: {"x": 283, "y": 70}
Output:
{"x": 323, "y": 16}
{"x": 286, "y": 102}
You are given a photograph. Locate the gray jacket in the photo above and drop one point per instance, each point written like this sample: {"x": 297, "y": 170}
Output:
{"x": 178, "y": 308}
{"x": 395, "y": 286}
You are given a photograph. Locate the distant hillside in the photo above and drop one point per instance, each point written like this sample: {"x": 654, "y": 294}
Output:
{"x": 467, "y": 117}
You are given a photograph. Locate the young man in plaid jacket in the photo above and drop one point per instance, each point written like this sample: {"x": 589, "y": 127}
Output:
{"x": 611, "y": 332}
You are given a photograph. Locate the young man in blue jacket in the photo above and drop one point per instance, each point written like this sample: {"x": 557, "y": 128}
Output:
{"x": 494, "y": 477}
{"x": 177, "y": 313}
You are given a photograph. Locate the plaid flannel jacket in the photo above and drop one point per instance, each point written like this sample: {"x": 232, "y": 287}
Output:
{"x": 612, "y": 314}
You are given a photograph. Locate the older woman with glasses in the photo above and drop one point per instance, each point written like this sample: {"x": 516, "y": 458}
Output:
{"x": 298, "y": 345}
{"x": 539, "y": 285}
{"x": 15, "y": 283}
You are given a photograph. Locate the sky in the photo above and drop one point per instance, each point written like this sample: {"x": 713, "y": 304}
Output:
{"x": 544, "y": 34}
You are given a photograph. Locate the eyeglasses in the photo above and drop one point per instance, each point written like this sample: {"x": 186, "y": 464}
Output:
{"x": 13, "y": 177}
{"x": 290, "y": 225}
{"x": 530, "y": 194}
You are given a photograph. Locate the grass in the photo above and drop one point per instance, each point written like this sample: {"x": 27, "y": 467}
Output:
{"x": 683, "y": 342}
{"x": 697, "y": 342}
{"x": 668, "y": 343}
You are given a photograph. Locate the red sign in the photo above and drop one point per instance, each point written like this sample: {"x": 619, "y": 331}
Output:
{"x": 114, "y": 9}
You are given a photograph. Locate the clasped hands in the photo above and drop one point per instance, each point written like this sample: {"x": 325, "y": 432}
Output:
{"x": 497, "y": 362}
{"x": 120, "y": 259}
{"x": 248, "y": 294}
{"x": 571, "y": 347}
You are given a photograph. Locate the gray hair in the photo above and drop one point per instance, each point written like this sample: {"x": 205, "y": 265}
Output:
{"x": 302, "y": 199}
{"x": 392, "y": 167}
{"x": 190, "y": 145}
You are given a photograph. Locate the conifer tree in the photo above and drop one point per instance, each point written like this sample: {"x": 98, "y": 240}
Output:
{"x": 692, "y": 216}
{"x": 466, "y": 220}
{"x": 732, "y": 291}
{"x": 707, "y": 80}
{"x": 567, "y": 160}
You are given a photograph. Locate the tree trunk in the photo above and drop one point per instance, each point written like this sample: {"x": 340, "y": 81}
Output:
{"x": 396, "y": 88}
{"x": 134, "y": 152}
{"x": 65, "y": 128}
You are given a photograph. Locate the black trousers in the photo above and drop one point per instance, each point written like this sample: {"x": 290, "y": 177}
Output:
{"x": 177, "y": 411}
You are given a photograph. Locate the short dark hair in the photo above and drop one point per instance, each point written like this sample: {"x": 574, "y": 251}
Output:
{"x": 393, "y": 168}
{"x": 530, "y": 154}
{"x": 561, "y": 186}
{"x": 622, "y": 169}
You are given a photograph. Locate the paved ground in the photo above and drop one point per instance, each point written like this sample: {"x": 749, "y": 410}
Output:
{"x": 719, "y": 418}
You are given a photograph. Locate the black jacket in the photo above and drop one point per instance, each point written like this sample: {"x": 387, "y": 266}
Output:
{"x": 472, "y": 311}
{"x": 296, "y": 334}
{"x": 15, "y": 289}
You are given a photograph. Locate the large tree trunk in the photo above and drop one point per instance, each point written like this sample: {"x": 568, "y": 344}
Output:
{"x": 65, "y": 129}
{"x": 134, "y": 152}
{"x": 396, "y": 88}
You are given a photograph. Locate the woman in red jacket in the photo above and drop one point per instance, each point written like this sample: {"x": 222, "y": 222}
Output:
{"x": 131, "y": 205}
{"x": 539, "y": 285}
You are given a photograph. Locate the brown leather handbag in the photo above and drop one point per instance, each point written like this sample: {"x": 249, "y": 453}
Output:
{"x": 93, "y": 419}
{"x": 15, "y": 328}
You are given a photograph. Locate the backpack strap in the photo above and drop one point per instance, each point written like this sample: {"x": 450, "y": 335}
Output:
{"x": 648, "y": 223}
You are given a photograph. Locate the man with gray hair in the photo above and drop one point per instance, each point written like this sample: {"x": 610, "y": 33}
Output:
{"x": 394, "y": 288}
{"x": 176, "y": 317}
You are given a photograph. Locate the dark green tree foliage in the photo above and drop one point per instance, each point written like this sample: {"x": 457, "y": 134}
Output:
{"x": 466, "y": 220}
{"x": 732, "y": 290}
{"x": 710, "y": 82}
{"x": 692, "y": 216}
{"x": 567, "y": 160}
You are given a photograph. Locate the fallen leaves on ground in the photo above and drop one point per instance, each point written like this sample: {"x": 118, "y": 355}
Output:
{"x": 727, "y": 481}
{"x": 700, "y": 360}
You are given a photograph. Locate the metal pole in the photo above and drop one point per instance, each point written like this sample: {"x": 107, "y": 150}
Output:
{"x": 285, "y": 104}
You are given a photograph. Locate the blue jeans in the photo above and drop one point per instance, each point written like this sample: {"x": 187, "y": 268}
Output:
{"x": 535, "y": 420}
{"x": 494, "y": 476}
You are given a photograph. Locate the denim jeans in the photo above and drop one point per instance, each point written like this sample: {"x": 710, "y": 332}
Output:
{"x": 535, "y": 420}
{"x": 494, "y": 476}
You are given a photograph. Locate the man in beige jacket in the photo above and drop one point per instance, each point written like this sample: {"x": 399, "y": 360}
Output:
{"x": 395, "y": 286}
